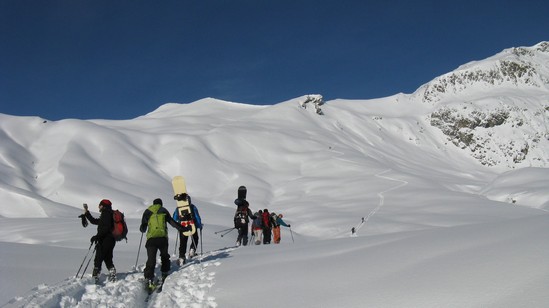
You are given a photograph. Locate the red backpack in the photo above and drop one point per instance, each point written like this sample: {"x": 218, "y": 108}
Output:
{"x": 266, "y": 220}
{"x": 120, "y": 229}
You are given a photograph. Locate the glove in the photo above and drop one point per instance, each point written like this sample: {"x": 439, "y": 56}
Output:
{"x": 94, "y": 239}
{"x": 289, "y": 226}
{"x": 85, "y": 205}
{"x": 84, "y": 221}
{"x": 142, "y": 229}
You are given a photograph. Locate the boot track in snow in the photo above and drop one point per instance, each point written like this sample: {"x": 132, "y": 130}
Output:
{"x": 187, "y": 285}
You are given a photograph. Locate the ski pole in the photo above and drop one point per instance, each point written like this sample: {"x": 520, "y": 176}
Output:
{"x": 138, "y": 250}
{"x": 252, "y": 238}
{"x": 200, "y": 241}
{"x": 175, "y": 247}
{"x": 224, "y": 230}
{"x": 86, "y": 256}
{"x": 85, "y": 269}
{"x": 292, "y": 235}
{"x": 227, "y": 232}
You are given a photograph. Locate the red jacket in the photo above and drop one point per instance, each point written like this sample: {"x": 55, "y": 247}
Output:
{"x": 266, "y": 220}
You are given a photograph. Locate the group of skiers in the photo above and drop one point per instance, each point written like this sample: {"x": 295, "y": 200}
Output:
{"x": 264, "y": 224}
{"x": 154, "y": 222}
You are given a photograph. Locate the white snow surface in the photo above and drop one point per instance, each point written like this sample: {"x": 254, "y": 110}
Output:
{"x": 434, "y": 227}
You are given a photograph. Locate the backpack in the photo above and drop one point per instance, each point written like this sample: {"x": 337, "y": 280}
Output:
{"x": 240, "y": 218}
{"x": 274, "y": 222}
{"x": 266, "y": 220}
{"x": 258, "y": 222}
{"x": 157, "y": 223}
{"x": 120, "y": 229}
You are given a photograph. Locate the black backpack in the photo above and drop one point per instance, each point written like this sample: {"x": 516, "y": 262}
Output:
{"x": 240, "y": 218}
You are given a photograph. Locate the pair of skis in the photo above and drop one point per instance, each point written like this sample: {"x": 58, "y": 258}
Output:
{"x": 156, "y": 286}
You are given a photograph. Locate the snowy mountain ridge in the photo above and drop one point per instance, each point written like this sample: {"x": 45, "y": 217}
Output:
{"x": 496, "y": 109}
{"x": 448, "y": 201}
{"x": 219, "y": 145}
{"x": 518, "y": 68}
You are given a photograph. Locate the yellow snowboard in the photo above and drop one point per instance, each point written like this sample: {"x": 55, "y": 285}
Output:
{"x": 183, "y": 206}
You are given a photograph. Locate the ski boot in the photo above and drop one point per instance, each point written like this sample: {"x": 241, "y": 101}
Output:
{"x": 112, "y": 274}
{"x": 161, "y": 282}
{"x": 192, "y": 253}
{"x": 151, "y": 285}
{"x": 95, "y": 274}
{"x": 181, "y": 261}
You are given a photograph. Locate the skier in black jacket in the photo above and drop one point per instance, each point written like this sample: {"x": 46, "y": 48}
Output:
{"x": 241, "y": 220}
{"x": 104, "y": 239}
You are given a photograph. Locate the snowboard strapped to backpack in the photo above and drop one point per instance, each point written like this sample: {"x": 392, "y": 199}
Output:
{"x": 120, "y": 229}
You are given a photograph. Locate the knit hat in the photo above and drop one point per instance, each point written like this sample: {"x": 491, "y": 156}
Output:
{"x": 157, "y": 201}
{"x": 105, "y": 202}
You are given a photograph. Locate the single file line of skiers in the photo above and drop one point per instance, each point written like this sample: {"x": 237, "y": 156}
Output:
{"x": 154, "y": 222}
{"x": 264, "y": 226}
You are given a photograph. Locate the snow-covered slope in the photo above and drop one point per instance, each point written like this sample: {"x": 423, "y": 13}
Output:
{"x": 460, "y": 158}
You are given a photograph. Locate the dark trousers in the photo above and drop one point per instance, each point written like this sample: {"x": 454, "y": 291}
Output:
{"x": 243, "y": 235}
{"x": 184, "y": 240}
{"x": 153, "y": 245}
{"x": 266, "y": 235}
{"x": 104, "y": 253}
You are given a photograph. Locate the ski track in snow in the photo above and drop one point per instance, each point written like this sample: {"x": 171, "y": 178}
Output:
{"x": 381, "y": 198}
{"x": 186, "y": 286}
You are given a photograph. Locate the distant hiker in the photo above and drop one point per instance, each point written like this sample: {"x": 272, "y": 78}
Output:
{"x": 197, "y": 221}
{"x": 154, "y": 221}
{"x": 353, "y": 232}
{"x": 276, "y": 227}
{"x": 257, "y": 227}
{"x": 362, "y": 219}
{"x": 241, "y": 220}
{"x": 267, "y": 225}
{"x": 104, "y": 239}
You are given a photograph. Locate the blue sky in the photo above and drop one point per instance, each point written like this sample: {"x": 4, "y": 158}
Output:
{"x": 104, "y": 59}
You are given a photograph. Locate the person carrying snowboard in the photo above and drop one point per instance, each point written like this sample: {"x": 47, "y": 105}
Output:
{"x": 276, "y": 227}
{"x": 241, "y": 221}
{"x": 154, "y": 221}
{"x": 104, "y": 240}
{"x": 257, "y": 227}
{"x": 183, "y": 238}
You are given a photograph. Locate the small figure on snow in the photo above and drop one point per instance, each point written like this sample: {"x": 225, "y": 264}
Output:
{"x": 267, "y": 227}
{"x": 257, "y": 227}
{"x": 197, "y": 221}
{"x": 154, "y": 221}
{"x": 276, "y": 227}
{"x": 104, "y": 240}
{"x": 241, "y": 220}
